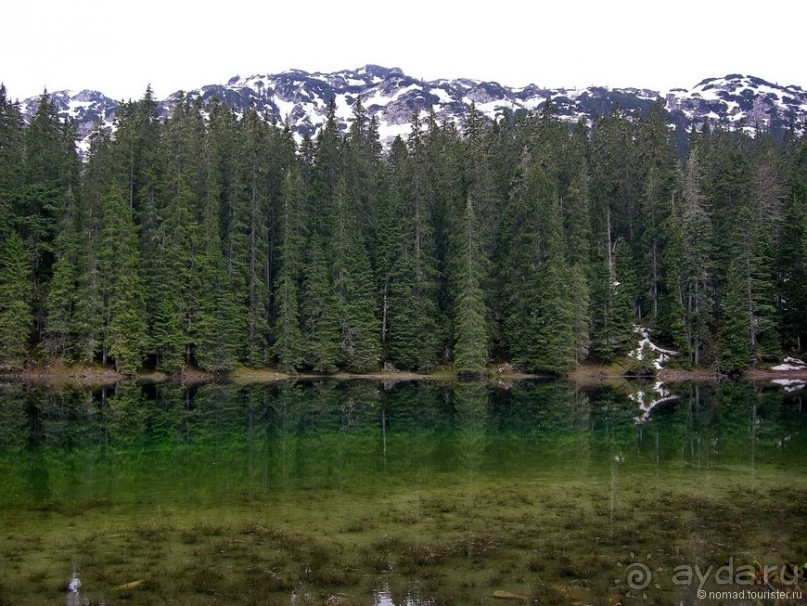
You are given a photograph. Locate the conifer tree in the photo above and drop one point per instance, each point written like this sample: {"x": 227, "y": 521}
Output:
{"x": 50, "y": 171}
{"x": 137, "y": 133}
{"x": 12, "y": 135}
{"x": 87, "y": 314}
{"x": 411, "y": 335}
{"x": 181, "y": 236}
{"x": 142, "y": 163}
{"x": 580, "y": 293}
{"x": 216, "y": 330}
{"x": 321, "y": 329}
{"x": 734, "y": 347}
{"x": 15, "y": 308}
{"x": 353, "y": 285}
{"x": 792, "y": 254}
{"x": 656, "y": 169}
{"x": 166, "y": 338}
{"x": 575, "y": 208}
{"x": 470, "y": 317}
{"x": 125, "y": 337}
{"x": 726, "y": 182}
{"x": 612, "y": 310}
{"x": 217, "y": 333}
{"x": 446, "y": 194}
{"x": 614, "y": 179}
{"x": 389, "y": 234}
{"x": 766, "y": 326}
{"x": 63, "y": 291}
{"x": 288, "y": 345}
{"x": 175, "y": 259}
{"x": 481, "y": 180}
{"x": 753, "y": 262}
{"x": 671, "y": 326}
{"x": 697, "y": 261}
{"x": 249, "y": 237}
{"x": 517, "y": 248}
{"x": 327, "y": 168}
{"x": 540, "y": 314}
{"x": 61, "y": 303}
{"x": 361, "y": 165}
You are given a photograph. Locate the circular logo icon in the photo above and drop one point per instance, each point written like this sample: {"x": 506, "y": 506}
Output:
{"x": 638, "y": 576}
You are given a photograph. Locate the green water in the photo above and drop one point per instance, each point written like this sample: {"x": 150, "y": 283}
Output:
{"x": 360, "y": 493}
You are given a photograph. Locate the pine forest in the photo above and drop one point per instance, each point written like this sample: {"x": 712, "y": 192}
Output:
{"x": 216, "y": 241}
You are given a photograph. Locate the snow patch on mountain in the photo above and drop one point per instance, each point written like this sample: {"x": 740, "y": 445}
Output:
{"x": 741, "y": 101}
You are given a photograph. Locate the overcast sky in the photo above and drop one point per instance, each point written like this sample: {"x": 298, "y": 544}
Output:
{"x": 120, "y": 47}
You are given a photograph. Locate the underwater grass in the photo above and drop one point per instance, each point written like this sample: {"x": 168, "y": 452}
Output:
{"x": 543, "y": 540}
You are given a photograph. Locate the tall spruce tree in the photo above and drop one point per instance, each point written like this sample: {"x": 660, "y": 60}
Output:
{"x": 15, "y": 307}
{"x": 412, "y": 335}
{"x": 63, "y": 293}
{"x": 575, "y": 203}
{"x": 388, "y": 237}
{"x": 218, "y": 331}
{"x": 359, "y": 345}
{"x": 656, "y": 167}
{"x": 611, "y": 307}
{"x": 792, "y": 254}
{"x": 470, "y": 316}
{"x": 166, "y": 340}
{"x": 734, "y": 347}
{"x": 753, "y": 260}
{"x": 124, "y": 307}
{"x": 320, "y": 318}
{"x": 671, "y": 325}
{"x": 181, "y": 235}
{"x": 50, "y": 171}
{"x": 249, "y": 237}
{"x": 697, "y": 262}
{"x": 540, "y": 315}
{"x": 288, "y": 340}
{"x": 12, "y": 134}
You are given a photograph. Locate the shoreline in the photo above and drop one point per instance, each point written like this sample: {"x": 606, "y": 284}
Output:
{"x": 586, "y": 374}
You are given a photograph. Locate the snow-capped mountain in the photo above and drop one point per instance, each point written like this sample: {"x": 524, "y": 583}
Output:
{"x": 86, "y": 108}
{"x": 301, "y": 98}
{"x": 741, "y": 101}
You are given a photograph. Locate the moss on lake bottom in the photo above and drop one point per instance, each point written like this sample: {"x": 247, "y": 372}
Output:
{"x": 545, "y": 540}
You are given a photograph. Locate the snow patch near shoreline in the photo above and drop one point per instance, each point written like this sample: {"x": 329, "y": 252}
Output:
{"x": 645, "y": 342}
{"x": 648, "y": 400}
{"x": 791, "y": 364}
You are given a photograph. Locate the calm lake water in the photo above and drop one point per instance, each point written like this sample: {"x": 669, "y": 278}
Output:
{"x": 411, "y": 494}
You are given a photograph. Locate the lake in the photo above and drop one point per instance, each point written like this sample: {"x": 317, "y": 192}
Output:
{"x": 325, "y": 492}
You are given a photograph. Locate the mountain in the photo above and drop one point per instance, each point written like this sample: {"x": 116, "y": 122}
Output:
{"x": 300, "y": 97}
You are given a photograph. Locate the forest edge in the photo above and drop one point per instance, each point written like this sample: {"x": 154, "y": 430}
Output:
{"x": 585, "y": 374}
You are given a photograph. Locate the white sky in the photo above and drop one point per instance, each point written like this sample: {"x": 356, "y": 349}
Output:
{"x": 120, "y": 47}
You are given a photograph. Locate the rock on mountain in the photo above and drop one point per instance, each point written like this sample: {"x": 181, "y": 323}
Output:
{"x": 301, "y": 98}
{"x": 87, "y": 108}
{"x": 741, "y": 101}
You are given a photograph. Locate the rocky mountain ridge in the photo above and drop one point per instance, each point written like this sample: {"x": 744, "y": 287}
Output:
{"x": 301, "y": 98}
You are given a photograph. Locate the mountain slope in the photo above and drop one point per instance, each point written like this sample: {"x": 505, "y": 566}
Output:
{"x": 301, "y": 98}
